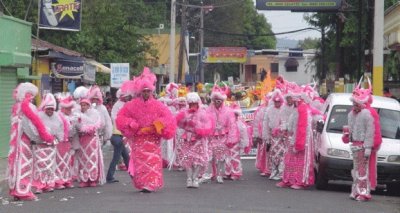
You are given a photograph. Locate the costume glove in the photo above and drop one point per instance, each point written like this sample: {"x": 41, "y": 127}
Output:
{"x": 367, "y": 153}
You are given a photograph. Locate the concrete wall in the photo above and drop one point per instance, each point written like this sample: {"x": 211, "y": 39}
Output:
{"x": 305, "y": 71}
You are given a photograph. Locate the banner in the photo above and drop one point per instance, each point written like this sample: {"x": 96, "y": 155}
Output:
{"x": 224, "y": 55}
{"x": 299, "y": 5}
{"x": 60, "y": 14}
{"x": 119, "y": 74}
{"x": 89, "y": 74}
{"x": 67, "y": 68}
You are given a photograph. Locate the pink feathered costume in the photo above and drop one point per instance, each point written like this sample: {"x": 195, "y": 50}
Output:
{"x": 365, "y": 137}
{"x": 24, "y": 119}
{"x": 262, "y": 156}
{"x": 89, "y": 155}
{"x": 138, "y": 121}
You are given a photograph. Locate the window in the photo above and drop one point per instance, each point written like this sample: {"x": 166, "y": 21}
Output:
{"x": 291, "y": 65}
{"x": 275, "y": 67}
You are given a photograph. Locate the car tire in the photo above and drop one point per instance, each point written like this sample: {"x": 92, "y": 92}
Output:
{"x": 393, "y": 188}
{"x": 321, "y": 182}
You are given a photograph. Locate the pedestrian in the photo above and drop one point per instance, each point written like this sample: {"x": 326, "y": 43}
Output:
{"x": 65, "y": 150}
{"x": 144, "y": 121}
{"x": 89, "y": 155}
{"x": 96, "y": 98}
{"x": 124, "y": 95}
{"x": 233, "y": 164}
{"x": 298, "y": 170}
{"x": 364, "y": 134}
{"x": 272, "y": 135}
{"x": 224, "y": 134}
{"x": 44, "y": 154}
{"x": 196, "y": 125}
{"x": 26, "y": 126}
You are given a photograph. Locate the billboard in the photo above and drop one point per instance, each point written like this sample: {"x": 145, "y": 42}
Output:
{"x": 299, "y": 5}
{"x": 224, "y": 55}
{"x": 119, "y": 74}
{"x": 60, "y": 14}
{"x": 65, "y": 68}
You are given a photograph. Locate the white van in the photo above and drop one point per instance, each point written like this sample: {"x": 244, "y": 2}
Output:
{"x": 334, "y": 158}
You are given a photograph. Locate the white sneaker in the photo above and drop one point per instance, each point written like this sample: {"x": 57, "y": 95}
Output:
{"x": 276, "y": 177}
{"x": 220, "y": 179}
{"x": 196, "y": 183}
{"x": 189, "y": 183}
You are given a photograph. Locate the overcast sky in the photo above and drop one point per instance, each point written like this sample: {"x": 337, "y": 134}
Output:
{"x": 283, "y": 21}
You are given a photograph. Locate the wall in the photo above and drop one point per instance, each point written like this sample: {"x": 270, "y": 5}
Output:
{"x": 305, "y": 71}
{"x": 261, "y": 62}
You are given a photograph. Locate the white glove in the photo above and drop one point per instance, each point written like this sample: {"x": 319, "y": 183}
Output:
{"x": 367, "y": 152}
{"x": 72, "y": 152}
{"x": 55, "y": 142}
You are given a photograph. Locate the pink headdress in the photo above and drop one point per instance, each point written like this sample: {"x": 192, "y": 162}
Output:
{"x": 193, "y": 97}
{"x": 172, "y": 90}
{"x": 24, "y": 90}
{"x": 80, "y": 92}
{"x": 48, "y": 102}
{"x": 95, "y": 92}
{"x": 84, "y": 100}
{"x": 66, "y": 101}
{"x": 362, "y": 96}
{"x": 277, "y": 96}
{"x": 218, "y": 92}
{"x": 307, "y": 94}
{"x": 146, "y": 80}
{"x": 280, "y": 84}
{"x": 127, "y": 88}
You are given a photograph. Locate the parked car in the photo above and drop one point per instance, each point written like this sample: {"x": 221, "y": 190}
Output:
{"x": 334, "y": 158}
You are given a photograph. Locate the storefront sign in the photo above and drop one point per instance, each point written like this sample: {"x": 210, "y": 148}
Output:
{"x": 67, "y": 68}
{"x": 224, "y": 55}
{"x": 119, "y": 74}
{"x": 299, "y": 5}
{"x": 89, "y": 74}
{"x": 60, "y": 14}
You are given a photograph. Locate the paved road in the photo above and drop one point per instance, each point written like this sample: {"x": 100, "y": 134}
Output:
{"x": 251, "y": 194}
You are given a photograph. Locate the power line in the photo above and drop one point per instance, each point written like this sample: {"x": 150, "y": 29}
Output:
{"x": 257, "y": 35}
{"x": 211, "y": 6}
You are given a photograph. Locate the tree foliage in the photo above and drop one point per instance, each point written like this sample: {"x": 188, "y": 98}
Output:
{"x": 309, "y": 43}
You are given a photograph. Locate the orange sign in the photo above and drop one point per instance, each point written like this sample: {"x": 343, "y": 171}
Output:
{"x": 224, "y": 55}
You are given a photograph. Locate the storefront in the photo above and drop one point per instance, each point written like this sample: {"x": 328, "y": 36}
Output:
{"x": 15, "y": 60}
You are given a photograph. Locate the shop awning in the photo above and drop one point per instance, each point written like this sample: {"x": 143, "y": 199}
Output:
{"x": 99, "y": 67}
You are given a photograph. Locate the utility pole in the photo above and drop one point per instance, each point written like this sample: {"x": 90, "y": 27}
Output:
{"x": 201, "y": 43}
{"x": 182, "y": 41}
{"x": 377, "y": 71}
{"x": 172, "y": 42}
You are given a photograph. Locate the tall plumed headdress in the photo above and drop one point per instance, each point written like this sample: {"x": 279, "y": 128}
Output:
{"x": 127, "y": 89}
{"x": 48, "y": 101}
{"x": 146, "y": 80}
{"x": 362, "y": 96}
{"x": 236, "y": 109}
{"x": 66, "y": 101}
{"x": 80, "y": 92}
{"x": 172, "y": 90}
{"x": 95, "y": 92}
{"x": 193, "y": 97}
{"x": 277, "y": 96}
{"x": 219, "y": 92}
{"x": 24, "y": 90}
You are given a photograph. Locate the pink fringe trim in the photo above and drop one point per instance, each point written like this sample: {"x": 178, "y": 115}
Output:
{"x": 301, "y": 132}
{"x": 44, "y": 135}
{"x": 91, "y": 128}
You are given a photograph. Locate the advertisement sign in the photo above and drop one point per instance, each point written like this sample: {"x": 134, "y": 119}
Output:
{"x": 60, "y": 14}
{"x": 299, "y": 5}
{"x": 119, "y": 74}
{"x": 224, "y": 55}
{"x": 63, "y": 68}
{"x": 89, "y": 74}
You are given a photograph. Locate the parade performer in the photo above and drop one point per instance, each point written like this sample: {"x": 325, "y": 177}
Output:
{"x": 26, "y": 126}
{"x": 144, "y": 121}
{"x": 262, "y": 155}
{"x": 89, "y": 155}
{"x": 65, "y": 151}
{"x": 44, "y": 154}
{"x": 181, "y": 105}
{"x": 124, "y": 95}
{"x": 233, "y": 164}
{"x": 197, "y": 125}
{"x": 96, "y": 98}
{"x": 272, "y": 135}
{"x": 364, "y": 133}
{"x": 298, "y": 171}
{"x": 225, "y": 130}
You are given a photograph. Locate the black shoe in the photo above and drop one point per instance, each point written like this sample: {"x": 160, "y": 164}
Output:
{"x": 113, "y": 181}
{"x": 145, "y": 191}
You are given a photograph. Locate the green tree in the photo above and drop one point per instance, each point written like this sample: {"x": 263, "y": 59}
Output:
{"x": 309, "y": 43}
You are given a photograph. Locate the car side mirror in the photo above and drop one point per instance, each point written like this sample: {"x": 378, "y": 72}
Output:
{"x": 320, "y": 126}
